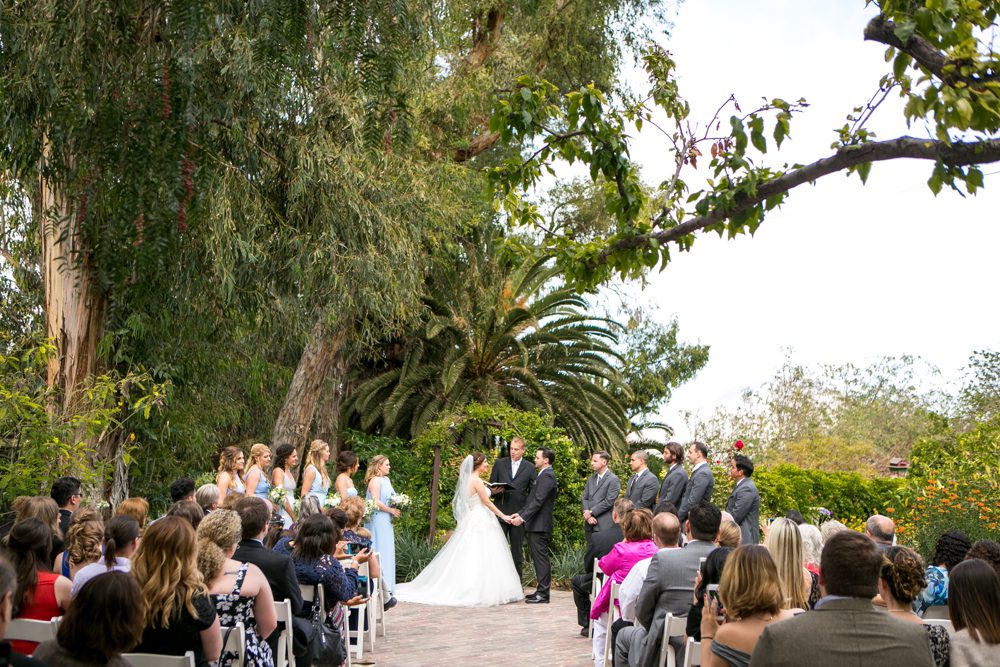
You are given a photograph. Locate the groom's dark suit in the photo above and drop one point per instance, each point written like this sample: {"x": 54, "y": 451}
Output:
{"x": 537, "y": 515}
{"x": 512, "y": 500}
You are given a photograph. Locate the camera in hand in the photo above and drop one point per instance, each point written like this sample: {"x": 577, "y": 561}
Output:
{"x": 362, "y": 586}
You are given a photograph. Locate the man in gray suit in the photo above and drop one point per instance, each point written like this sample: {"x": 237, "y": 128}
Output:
{"x": 672, "y": 489}
{"x": 643, "y": 485}
{"x": 845, "y": 629}
{"x": 744, "y": 501}
{"x": 699, "y": 487}
{"x": 668, "y": 587}
{"x": 599, "y": 495}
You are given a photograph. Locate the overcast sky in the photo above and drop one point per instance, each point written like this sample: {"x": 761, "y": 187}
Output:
{"x": 843, "y": 272}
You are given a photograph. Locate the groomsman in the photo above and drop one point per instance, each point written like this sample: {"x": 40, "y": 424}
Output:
{"x": 744, "y": 501}
{"x": 699, "y": 487}
{"x": 520, "y": 474}
{"x": 643, "y": 485}
{"x": 599, "y": 495}
{"x": 672, "y": 489}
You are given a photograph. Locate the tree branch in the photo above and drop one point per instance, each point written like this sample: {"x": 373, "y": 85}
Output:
{"x": 954, "y": 154}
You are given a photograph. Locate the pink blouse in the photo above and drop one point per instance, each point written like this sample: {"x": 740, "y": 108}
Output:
{"x": 617, "y": 564}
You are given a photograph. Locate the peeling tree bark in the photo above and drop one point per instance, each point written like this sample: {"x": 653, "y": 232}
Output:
{"x": 328, "y": 412}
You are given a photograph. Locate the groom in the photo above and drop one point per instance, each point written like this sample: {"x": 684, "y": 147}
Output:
{"x": 536, "y": 516}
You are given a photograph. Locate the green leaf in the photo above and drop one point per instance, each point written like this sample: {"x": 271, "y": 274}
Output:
{"x": 863, "y": 170}
{"x": 904, "y": 30}
{"x": 934, "y": 183}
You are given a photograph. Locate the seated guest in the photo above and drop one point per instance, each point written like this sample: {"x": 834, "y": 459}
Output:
{"x": 830, "y": 528}
{"x": 137, "y": 508}
{"x": 207, "y": 497}
{"x": 795, "y": 516}
{"x": 83, "y": 542}
{"x": 240, "y": 590}
{"x": 637, "y": 527}
{"x": 899, "y": 584}
{"x": 182, "y": 489}
{"x": 709, "y": 573}
{"x": 106, "y": 619}
{"x": 751, "y": 596}
{"x": 666, "y": 535}
{"x": 986, "y": 550}
{"x": 974, "y": 608}
{"x": 729, "y": 534}
{"x": 67, "y": 492}
{"x": 356, "y": 534}
{"x": 121, "y": 539}
{"x": 180, "y": 616}
{"x": 800, "y": 586}
{"x": 601, "y": 542}
{"x": 845, "y": 627}
{"x": 8, "y": 588}
{"x": 667, "y": 588}
{"x": 41, "y": 594}
{"x": 188, "y": 510}
{"x": 45, "y": 510}
{"x": 312, "y": 554}
{"x": 949, "y": 551}
{"x": 882, "y": 531}
{"x": 308, "y": 507}
{"x": 812, "y": 546}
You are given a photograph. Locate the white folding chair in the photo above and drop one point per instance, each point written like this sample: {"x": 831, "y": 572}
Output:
{"x": 375, "y": 603}
{"x": 234, "y": 639}
{"x": 596, "y": 583}
{"x": 311, "y": 593}
{"x": 692, "y": 654}
{"x": 26, "y": 629}
{"x": 283, "y": 612}
{"x": 609, "y": 649}
{"x": 936, "y": 611}
{"x": 378, "y": 610}
{"x": 673, "y": 626}
{"x": 156, "y": 660}
{"x": 365, "y": 627}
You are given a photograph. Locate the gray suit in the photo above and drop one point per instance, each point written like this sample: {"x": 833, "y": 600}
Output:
{"x": 599, "y": 497}
{"x": 848, "y": 631}
{"x": 667, "y": 588}
{"x": 642, "y": 488}
{"x": 744, "y": 505}
{"x": 699, "y": 489}
{"x": 672, "y": 489}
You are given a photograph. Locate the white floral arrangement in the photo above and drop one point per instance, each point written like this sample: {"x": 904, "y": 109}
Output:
{"x": 370, "y": 509}
{"x": 332, "y": 500}
{"x": 400, "y": 500}
{"x": 277, "y": 496}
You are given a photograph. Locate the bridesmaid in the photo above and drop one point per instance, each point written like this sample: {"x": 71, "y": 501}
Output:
{"x": 285, "y": 458}
{"x": 380, "y": 525}
{"x": 231, "y": 462}
{"x": 315, "y": 479}
{"x": 347, "y": 465}
{"x": 256, "y": 478}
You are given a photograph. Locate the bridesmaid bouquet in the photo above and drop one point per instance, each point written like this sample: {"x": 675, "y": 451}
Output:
{"x": 332, "y": 500}
{"x": 400, "y": 500}
{"x": 370, "y": 509}
{"x": 277, "y": 496}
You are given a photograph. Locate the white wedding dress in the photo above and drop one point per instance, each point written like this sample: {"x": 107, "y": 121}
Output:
{"x": 474, "y": 568}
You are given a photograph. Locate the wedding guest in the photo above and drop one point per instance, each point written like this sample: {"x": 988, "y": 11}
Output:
{"x": 796, "y": 516}
{"x": 380, "y": 525}
{"x": 986, "y": 550}
{"x": 710, "y": 572}
{"x": 181, "y": 488}
{"x": 188, "y": 510}
{"x": 229, "y": 477}
{"x": 83, "y": 542}
{"x": 666, "y": 535}
{"x": 315, "y": 479}
{"x": 800, "y": 587}
{"x": 900, "y": 582}
{"x": 354, "y": 533}
{"x": 812, "y": 546}
{"x": 750, "y": 594}
{"x": 730, "y": 534}
{"x": 256, "y": 479}
{"x": 240, "y": 591}
{"x": 45, "y": 510}
{"x": 136, "y": 508}
{"x": 41, "y": 594}
{"x": 600, "y": 544}
{"x": 180, "y": 615}
{"x": 121, "y": 539}
{"x": 949, "y": 551}
{"x": 974, "y": 608}
{"x": 285, "y": 458}
{"x": 8, "y": 588}
{"x": 882, "y": 531}
{"x": 106, "y": 619}
{"x": 830, "y": 528}
{"x": 347, "y": 465}
{"x": 67, "y": 492}
{"x": 309, "y": 507}
{"x": 207, "y": 497}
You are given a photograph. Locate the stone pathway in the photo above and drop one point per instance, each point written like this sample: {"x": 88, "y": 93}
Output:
{"x": 507, "y": 636}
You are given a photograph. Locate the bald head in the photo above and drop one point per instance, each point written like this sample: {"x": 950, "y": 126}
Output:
{"x": 880, "y": 528}
{"x": 666, "y": 530}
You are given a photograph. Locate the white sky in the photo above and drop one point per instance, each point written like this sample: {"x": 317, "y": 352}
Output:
{"x": 843, "y": 272}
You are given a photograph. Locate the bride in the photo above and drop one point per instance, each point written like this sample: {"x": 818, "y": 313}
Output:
{"x": 474, "y": 568}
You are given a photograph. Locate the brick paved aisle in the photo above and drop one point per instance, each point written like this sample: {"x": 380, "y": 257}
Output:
{"x": 514, "y": 634}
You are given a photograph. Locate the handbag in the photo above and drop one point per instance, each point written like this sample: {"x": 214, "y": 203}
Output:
{"x": 326, "y": 646}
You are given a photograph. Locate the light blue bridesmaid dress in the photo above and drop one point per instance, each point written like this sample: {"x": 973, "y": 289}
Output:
{"x": 383, "y": 539}
{"x": 318, "y": 489}
{"x": 263, "y": 486}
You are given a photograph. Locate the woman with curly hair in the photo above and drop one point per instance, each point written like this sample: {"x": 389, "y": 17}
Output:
{"x": 230, "y": 473}
{"x": 180, "y": 615}
{"x": 949, "y": 551}
{"x": 257, "y": 482}
{"x": 974, "y": 609}
{"x": 240, "y": 590}
{"x": 137, "y": 508}
{"x": 45, "y": 510}
{"x": 121, "y": 539}
{"x": 83, "y": 542}
{"x": 986, "y": 550}
{"x": 900, "y": 582}
{"x": 285, "y": 458}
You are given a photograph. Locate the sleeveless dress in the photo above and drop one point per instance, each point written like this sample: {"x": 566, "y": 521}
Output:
{"x": 383, "y": 538}
{"x": 289, "y": 484}
{"x": 473, "y": 569}
{"x": 43, "y": 607}
{"x": 263, "y": 486}
{"x": 318, "y": 490}
{"x": 234, "y": 608}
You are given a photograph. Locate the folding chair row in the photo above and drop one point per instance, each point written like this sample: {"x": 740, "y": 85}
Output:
{"x": 673, "y": 626}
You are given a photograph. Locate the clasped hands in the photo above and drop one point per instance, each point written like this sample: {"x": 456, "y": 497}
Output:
{"x": 513, "y": 519}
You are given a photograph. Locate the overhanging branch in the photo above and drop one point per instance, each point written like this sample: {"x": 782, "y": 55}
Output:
{"x": 955, "y": 154}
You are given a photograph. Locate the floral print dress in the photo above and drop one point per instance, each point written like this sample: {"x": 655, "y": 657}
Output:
{"x": 234, "y": 608}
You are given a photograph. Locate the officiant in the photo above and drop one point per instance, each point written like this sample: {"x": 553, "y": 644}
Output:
{"x": 517, "y": 475}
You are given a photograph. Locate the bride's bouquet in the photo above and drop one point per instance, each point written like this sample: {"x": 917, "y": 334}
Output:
{"x": 400, "y": 500}
{"x": 332, "y": 500}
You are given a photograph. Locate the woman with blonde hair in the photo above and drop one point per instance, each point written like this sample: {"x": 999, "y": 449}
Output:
{"x": 256, "y": 479}
{"x": 799, "y": 586}
{"x": 83, "y": 542}
{"x": 380, "y": 525}
{"x": 751, "y": 597}
{"x": 45, "y": 510}
{"x": 315, "y": 478}
{"x": 240, "y": 590}
{"x": 229, "y": 477}
{"x": 137, "y": 508}
{"x": 729, "y": 534}
{"x": 180, "y": 615}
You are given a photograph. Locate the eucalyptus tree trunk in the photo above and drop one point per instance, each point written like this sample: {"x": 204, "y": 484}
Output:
{"x": 328, "y": 411}
{"x": 302, "y": 397}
